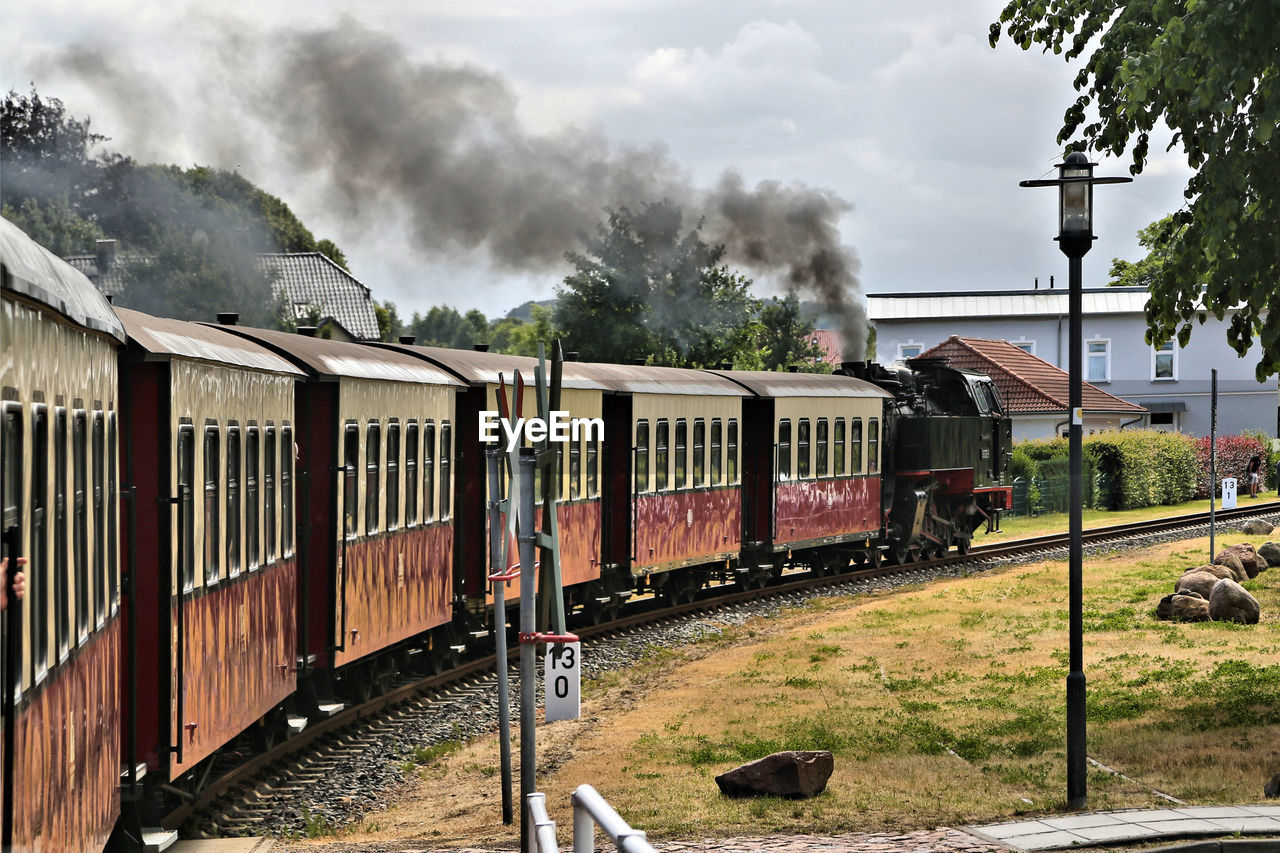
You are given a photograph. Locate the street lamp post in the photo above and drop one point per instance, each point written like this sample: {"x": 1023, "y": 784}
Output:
{"x": 1075, "y": 237}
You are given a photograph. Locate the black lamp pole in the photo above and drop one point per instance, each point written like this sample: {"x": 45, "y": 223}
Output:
{"x": 1075, "y": 237}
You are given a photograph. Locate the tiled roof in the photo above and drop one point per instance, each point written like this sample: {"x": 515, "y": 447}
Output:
{"x": 1027, "y": 384}
{"x": 831, "y": 343}
{"x": 305, "y": 280}
{"x": 309, "y": 279}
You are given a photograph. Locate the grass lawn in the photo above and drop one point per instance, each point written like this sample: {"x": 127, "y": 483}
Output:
{"x": 944, "y": 704}
{"x": 1056, "y": 522}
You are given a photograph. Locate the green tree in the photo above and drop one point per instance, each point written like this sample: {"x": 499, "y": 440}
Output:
{"x": 55, "y": 226}
{"x": 1157, "y": 238}
{"x": 518, "y": 337}
{"x": 646, "y": 289}
{"x": 443, "y": 326}
{"x": 785, "y": 338}
{"x": 390, "y": 326}
{"x": 1209, "y": 71}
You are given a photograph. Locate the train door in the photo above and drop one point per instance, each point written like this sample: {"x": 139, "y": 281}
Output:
{"x": 11, "y": 618}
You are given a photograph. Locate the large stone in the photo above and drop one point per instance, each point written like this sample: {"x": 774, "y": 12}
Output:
{"x": 1271, "y": 553}
{"x": 1215, "y": 570}
{"x": 1197, "y": 581}
{"x": 793, "y": 774}
{"x": 1230, "y": 602}
{"x": 1183, "y": 608}
{"x": 1257, "y": 527}
{"x": 1232, "y": 562}
{"x": 1247, "y": 556}
{"x": 1272, "y": 788}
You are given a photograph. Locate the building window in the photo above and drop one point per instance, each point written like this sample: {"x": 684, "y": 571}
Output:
{"x": 1099, "y": 358}
{"x": 909, "y": 350}
{"x": 1164, "y": 361}
{"x": 642, "y": 456}
{"x": 1025, "y": 345}
{"x": 784, "y": 450}
{"x": 1162, "y": 419}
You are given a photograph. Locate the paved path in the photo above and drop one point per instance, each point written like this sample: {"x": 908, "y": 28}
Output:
{"x": 1097, "y": 828}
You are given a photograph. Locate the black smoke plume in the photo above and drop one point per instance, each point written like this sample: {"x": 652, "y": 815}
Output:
{"x": 440, "y": 149}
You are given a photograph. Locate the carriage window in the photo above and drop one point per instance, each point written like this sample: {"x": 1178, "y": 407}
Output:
{"x": 288, "y": 450}
{"x": 642, "y": 457}
{"x": 446, "y": 457}
{"x": 38, "y": 579}
{"x": 372, "y": 476}
{"x": 11, "y": 491}
{"x": 113, "y": 499}
{"x": 251, "y": 517}
{"x": 855, "y": 446}
{"x": 61, "y": 591}
{"x": 234, "y": 475}
{"x": 873, "y": 446}
{"x": 838, "y": 461}
{"x": 212, "y": 468}
{"x": 559, "y": 472}
{"x": 429, "y": 471}
{"x": 96, "y": 459}
{"x": 731, "y": 451}
{"x": 784, "y": 450}
{"x": 717, "y": 467}
{"x": 822, "y": 449}
{"x": 699, "y": 453}
{"x": 802, "y": 449}
{"x": 350, "y": 483}
{"x": 393, "y": 475}
{"x": 682, "y": 453}
{"x": 575, "y": 469}
{"x": 269, "y": 493}
{"x": 593, "y": 466}
{"x": 80, "y": 518}
{"x": 186, "y": 504}
{"x": 411, "y": 485}
{"x": 660, "y": 456}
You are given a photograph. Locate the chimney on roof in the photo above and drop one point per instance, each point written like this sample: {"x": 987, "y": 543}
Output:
{"x": 408, "y": 340}
{"x": 726, "y": 365}
{"x": 111, "y": 298}
{"x": 793, "y": 368}
{"x": 1051, "y": 282}
{"x": 228, "y": 318}
{"x": 1037, "y": 282}
{"x": 106, "y": 257}
{"x": 306, "y": 331}
{"x": 480, "y": 347}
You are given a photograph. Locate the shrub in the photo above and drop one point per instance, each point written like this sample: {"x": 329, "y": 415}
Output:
{"x": 1145, "y": 467}
{"x": 1021, "y": 464}
{"x": 1234, "y": 453}
{"x": 1039, "y": 449}
{"x": 1055, "y": 482}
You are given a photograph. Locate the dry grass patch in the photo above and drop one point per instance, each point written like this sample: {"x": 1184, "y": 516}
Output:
{"x": 943, "y": 704}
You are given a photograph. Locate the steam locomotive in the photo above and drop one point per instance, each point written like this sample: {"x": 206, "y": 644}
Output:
{"x": 233, "y": 532}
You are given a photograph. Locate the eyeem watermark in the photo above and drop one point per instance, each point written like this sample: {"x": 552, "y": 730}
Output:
{"x": 559, "y": 427}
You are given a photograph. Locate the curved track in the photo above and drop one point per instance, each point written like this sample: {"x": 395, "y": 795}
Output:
{"x": 237, "y": 801}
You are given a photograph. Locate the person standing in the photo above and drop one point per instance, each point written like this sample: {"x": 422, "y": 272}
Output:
{"x": 1255, "y": 470}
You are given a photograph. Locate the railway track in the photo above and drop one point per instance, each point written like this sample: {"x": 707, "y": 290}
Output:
{"x": 262, "y": 794}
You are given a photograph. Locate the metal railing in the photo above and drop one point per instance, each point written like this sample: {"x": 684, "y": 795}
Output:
{"x": 589, "y": 810}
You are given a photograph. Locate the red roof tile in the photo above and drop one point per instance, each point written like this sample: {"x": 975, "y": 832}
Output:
{"x": 1027, "y": 383}
{"x": 831, "y": 344}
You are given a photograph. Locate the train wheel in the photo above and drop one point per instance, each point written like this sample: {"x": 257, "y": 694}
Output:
{"x": 873, "y": 558}
{"x": 963, "y": 545}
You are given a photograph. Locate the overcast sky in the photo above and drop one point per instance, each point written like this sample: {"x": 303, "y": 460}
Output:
{"x": 901, "y": 110}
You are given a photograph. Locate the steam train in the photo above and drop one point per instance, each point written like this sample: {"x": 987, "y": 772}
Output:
{"x": 232, "y": 532}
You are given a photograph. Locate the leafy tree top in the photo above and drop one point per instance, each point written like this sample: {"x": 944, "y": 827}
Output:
{"x": 1210, "y": 71}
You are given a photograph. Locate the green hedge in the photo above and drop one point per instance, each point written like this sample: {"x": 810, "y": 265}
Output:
{"x": 1145, "y": 467}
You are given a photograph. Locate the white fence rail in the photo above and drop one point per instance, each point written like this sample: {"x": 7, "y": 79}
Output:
{"x": 589, "y": 810}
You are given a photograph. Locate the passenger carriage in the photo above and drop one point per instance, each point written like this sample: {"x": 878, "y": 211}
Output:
{"x": 377, "y": 520}
{"x": 59, "y": 493}
{"x": 812, "y": 487}
{"x": 209, "y": 449}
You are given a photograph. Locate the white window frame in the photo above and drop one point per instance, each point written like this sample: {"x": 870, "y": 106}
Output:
{"x": 1026, "y": 345}
{"x": 902, "y": 347}
{"x": 1106, "y": 370}
{"x": 1173, "y": 352}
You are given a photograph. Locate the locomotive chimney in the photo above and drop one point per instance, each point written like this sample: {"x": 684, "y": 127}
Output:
{"x": 1051, "y": 282}
{"x": 408, "y": 340}
{"x": 306, "y": 331}
{"x": 1037, "y": 282}
{"x": 228, "y": 318}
